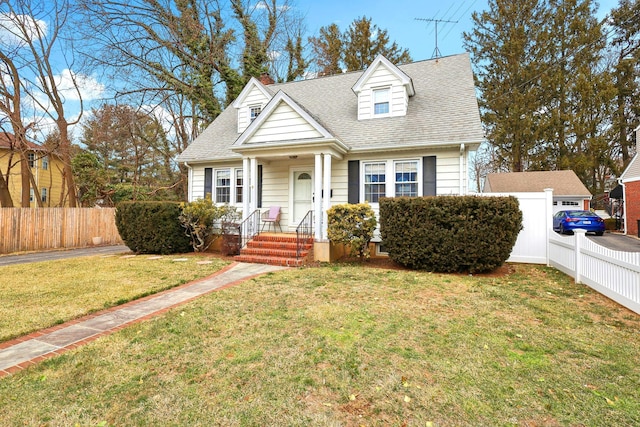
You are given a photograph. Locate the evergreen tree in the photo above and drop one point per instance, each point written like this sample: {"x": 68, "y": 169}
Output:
{"x": 626, "y": 74}
{"x": 364, "y": 41}
{"x": 327, "y": 49}
{"x": 508, "y": 57}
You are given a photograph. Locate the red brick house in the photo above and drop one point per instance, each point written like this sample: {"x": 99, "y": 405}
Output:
{"x": 630, "y": 180}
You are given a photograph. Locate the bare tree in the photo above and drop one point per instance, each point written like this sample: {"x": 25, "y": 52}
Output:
{"x": 11, "y": 107}
{"x": 37, "y": 27}
{"x": 204, "y": 51}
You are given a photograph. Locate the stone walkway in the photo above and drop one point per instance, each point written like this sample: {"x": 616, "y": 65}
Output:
{"x": 22, "y": 352}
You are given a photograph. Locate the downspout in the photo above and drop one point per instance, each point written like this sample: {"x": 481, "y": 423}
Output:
{"x": 462, "y": 170}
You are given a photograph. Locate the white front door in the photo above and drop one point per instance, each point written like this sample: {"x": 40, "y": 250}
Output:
{"x": 302, "y": 195}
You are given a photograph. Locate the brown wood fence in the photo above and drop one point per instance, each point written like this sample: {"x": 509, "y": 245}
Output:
{"x": 24, "y": 229}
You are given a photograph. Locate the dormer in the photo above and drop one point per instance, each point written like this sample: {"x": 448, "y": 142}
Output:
{"x": 250, "y": 103}
{"x": 383, "y": 90}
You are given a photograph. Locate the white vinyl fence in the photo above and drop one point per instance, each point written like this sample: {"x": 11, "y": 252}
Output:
{"x": 614, "y": 274}
{"x": 537, "y": 211}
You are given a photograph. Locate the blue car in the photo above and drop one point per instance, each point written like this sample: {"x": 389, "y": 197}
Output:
{"x": 564, "y": 222}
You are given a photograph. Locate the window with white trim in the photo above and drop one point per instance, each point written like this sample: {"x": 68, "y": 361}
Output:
{"x": 238, "y": 185}
{"x": 254, "y": 111}
{"x": 43, "y": 194}
{"x": 406, "y": 178}
{"x": 45, "y": 163}
{"x": 223, "y": 186}
{"x": 375, "y": 183}
{"x": 381, "y": 101}
{"x": 31, "y": 158}
{"x": 570, "y": 203}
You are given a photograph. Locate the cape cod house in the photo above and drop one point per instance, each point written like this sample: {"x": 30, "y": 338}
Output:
{"x": 305, "y": 146}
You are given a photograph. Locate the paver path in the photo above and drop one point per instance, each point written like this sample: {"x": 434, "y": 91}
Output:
{"x": 19, "y": 353}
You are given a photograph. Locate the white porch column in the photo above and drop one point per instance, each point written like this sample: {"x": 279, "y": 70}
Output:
{"x": 253, "y": 200}
{"x": 326, "y": 200}
{"x": 246, "y": 187}
{"x": 317, "y": 197}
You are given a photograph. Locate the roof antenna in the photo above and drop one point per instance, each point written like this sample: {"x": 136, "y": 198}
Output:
{"x": 436, "y": 51}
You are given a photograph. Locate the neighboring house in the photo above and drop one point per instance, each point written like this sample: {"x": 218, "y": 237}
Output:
{"x": 568, "y": 191}
{"x": 630, "y": 180}
{"x": 307, "y": 145}
{"x": 46, "y": 169}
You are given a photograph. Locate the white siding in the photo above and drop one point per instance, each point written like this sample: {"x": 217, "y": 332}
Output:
{"x": 284, "y": 124}
{"x": 339, "y": 182}
{"x": 380, "y": 78}
{"x": 448, "y": 172}
{"x": 254, "y": 97}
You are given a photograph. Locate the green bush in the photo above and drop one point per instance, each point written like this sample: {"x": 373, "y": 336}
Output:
{"x": 352, "y": 225}
{"x": 450, "y": 233}
{"x": 152, "y": 227}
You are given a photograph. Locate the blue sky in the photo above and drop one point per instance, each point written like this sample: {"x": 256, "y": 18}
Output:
{"x": 398, "y": 17}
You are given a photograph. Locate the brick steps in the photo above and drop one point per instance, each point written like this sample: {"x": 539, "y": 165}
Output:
{"x": 274, "y": 249}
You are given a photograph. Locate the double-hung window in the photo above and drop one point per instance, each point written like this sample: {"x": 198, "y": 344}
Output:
{"x": 223, "y": 186}
{"x": 31, "y": 158}
{"x": 406, "y": 178}
{"x": 45, "y": 163}
{"x": 381, "y": 101}
{"x": 238, "y": 185}
{"x": 374, "y": 181}
{"x": 43, "y": 194}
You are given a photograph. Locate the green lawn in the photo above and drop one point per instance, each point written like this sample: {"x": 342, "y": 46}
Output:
{"x": 346, "y": 345}
{"x": 39, "y": 295}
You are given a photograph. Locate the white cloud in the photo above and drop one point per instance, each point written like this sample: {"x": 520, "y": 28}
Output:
{"x": 89, "y": 87}
{"x": 15, "y": 30}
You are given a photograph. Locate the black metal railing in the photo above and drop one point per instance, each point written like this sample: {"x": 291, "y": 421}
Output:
{"x": 304, "y": 232}
{"x": 249, "y": 228}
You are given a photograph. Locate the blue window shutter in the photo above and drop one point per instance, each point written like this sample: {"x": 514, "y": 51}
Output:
{"x": 429, "y": 176}
{"x": 208, "y": 183}
{"x": 354, "y": 181}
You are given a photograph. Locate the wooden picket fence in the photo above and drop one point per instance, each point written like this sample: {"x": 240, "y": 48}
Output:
{"x": 36, "y": 229}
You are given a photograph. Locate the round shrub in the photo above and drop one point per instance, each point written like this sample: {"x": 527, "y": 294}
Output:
{"x": 450, "y": 233}
{"x": 152, "y": 227}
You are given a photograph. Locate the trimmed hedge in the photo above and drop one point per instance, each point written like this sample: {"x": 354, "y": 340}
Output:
{"x": 450, "y": 233}
{"x": 152, "y": 227}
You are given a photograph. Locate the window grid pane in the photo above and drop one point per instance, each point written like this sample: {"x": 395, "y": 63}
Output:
{"x": 374, "y": 182}
{"x": 223, "y": 186}
{"x": 407, "y": 178}
{"x": 238, "y": 185}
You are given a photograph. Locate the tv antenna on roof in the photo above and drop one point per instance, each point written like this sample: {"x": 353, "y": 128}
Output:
{"x": 436, "y": 51}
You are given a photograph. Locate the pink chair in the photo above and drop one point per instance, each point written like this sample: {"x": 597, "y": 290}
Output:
{"x": 272, "y": 216}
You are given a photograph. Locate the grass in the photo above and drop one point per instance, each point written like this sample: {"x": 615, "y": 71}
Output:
{"x": 40, "y": 295}
{"x": 344, "y": 345}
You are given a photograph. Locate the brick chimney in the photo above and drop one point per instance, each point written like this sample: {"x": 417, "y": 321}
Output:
{"x": 266, "y": 79}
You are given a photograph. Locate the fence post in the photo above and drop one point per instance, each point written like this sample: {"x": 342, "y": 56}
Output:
{"x": 580, "y": 234}
{"x": 548, "y": 213}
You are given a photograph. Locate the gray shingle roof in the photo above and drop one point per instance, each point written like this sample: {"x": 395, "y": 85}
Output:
{"x": 564, "y": 183}
{"x": 444, "y": 110}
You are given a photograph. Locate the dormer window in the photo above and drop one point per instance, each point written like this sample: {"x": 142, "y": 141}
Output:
{"x": 381, "y": 101}
{"x": 254, "y": 111}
